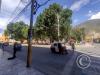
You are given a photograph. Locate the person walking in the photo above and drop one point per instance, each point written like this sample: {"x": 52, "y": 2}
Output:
{"x": 16, "y": 48}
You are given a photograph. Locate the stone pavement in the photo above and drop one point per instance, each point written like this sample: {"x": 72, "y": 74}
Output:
{"x": 14, "y": 67}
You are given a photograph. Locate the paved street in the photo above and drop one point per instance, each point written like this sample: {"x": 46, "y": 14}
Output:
{"x": 92, "y": 50}
{"x": 14, "y": 67}
{"x": 94, "y": 53}
{"x": 46, "y": 63}
{"x": 43, "y": 60}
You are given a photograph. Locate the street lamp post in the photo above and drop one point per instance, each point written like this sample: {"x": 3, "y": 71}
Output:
{"x": 58, "y": 26}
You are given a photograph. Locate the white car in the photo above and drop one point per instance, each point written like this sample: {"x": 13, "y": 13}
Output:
{"x": 58, "y": 47}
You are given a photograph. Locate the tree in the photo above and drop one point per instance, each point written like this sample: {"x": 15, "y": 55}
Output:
{"x": 82, "y": 31}
{"x": 39, "y": 28}
{"x": 6, "y": 32}
{"x": 50, "y": 21}
{"x": 18, "y": 30}
{"x": 65, "y": 24}
{"x": 78, "y": 34}
{"x": 47, "y": 23}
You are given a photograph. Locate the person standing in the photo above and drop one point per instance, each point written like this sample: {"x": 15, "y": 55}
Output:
{"x": 2, "y": 47}
{"x": 72, "y": 43}
{"x": 16, "y": 48}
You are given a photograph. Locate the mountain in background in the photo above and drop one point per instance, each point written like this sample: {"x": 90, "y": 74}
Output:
{"x": 90, "y": 25}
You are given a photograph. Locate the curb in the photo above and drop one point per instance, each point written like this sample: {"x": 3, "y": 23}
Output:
{"x": 69, "y": 65}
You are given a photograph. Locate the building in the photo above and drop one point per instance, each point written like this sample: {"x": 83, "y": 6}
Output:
{"x": 4, "y": 38}
{"x": 92, "y": 37}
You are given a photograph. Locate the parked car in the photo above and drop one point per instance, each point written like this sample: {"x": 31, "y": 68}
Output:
{"x": 59, "y": 48}
{"x": 6, "y": 43}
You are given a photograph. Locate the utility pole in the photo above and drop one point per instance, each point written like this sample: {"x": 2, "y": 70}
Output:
{"x": 34, "y": 8}
{"x": 29, "y": 54}
{"x": 0, "y": 5}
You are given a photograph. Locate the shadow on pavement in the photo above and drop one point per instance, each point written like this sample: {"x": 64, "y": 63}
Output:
{"x": 54, "y": 64}
{"x": 43, "y": 60}
{"x": 92, "y": 69}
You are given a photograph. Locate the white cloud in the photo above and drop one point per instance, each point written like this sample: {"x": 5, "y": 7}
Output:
{"x": 7, "y": 8}
{"x": 75, "y": 21}
{"x": 10, "y": 5}
{"x": 90, "y": 13}
{"x": 65, "y": 6}
{"x": 78, "y": 4}
{"x": 3, "y": 23}
{"x": 25, "y": 19}
{"x": 95, "y": 16}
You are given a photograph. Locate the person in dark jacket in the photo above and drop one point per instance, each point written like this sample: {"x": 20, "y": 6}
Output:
{"x": 16, "y": 47}
{"x": 72, "y": 43}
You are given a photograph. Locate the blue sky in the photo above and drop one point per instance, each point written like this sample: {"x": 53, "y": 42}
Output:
{"x": 83, "y": 10}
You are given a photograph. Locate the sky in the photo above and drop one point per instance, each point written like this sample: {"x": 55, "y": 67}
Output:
{"x": 83, "y": 10}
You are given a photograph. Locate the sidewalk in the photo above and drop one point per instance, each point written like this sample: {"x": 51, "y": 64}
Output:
{"x": 43, "y": 64}
{"x": 69, "y": 65}
{"x": 14, "y": 67}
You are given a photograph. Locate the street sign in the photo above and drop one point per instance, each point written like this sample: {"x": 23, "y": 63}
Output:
{"x": 30, "y": 33}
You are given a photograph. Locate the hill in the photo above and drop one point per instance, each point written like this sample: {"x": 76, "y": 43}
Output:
{"x": 90, "y": 25}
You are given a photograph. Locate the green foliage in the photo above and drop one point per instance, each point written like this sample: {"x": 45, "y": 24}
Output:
{"x": 39, "y": 28}
{"x": 46, "y": 25}
{"x": 6, "y": 32}
{"x": 65, "y": 21}
{"x": 18, "y": 30}
{"x": 78, "y": 34}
